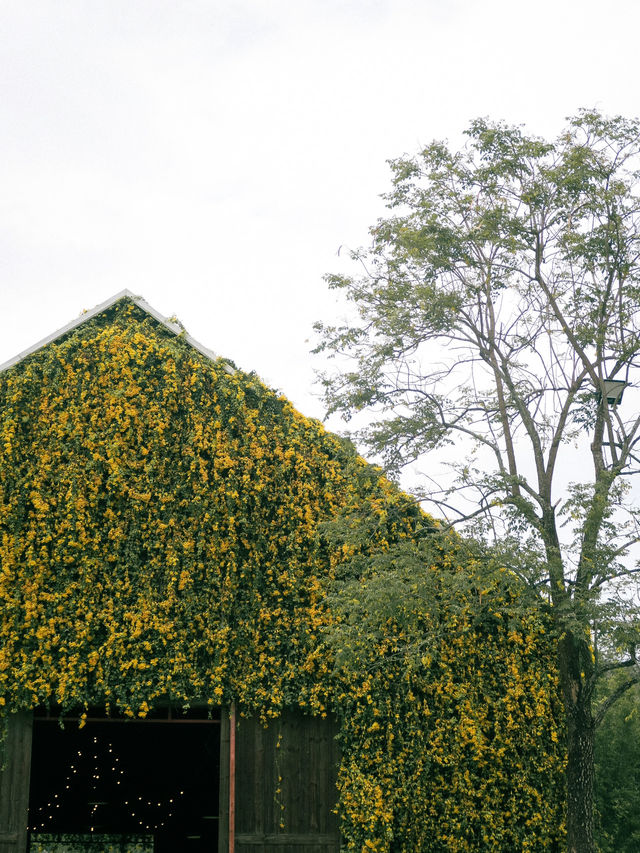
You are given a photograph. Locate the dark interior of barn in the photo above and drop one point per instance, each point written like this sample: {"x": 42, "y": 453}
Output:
{"x": 144, "y": 786}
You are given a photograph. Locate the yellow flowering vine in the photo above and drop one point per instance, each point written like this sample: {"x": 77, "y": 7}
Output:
{"x": 161, "y": 539}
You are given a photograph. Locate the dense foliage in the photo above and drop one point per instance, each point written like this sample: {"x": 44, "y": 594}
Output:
{"x": 161, "y": 538}
{"x": 150, "y": 501}
{"x": 446, "y": 693}
{"x": 617, "y": 789}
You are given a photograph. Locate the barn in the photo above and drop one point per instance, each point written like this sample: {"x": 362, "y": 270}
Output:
{"x": 164, "y": 681}
{"x": 161, "y": 507}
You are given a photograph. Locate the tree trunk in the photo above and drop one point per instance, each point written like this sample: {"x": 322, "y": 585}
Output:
{"x": 580, "y": 783}
{"x": 580, "y": 738}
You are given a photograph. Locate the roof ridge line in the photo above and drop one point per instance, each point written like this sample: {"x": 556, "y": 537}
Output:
{"x": 172, "y": 327}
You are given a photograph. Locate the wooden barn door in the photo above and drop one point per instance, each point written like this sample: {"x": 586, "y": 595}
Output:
{"x": 14, "y": 784}
{"x": 285, "y": 786}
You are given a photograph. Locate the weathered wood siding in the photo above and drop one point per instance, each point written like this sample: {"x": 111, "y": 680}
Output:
{"x": 285, "y": 786}
{"x": 14, "y": 784}
{"x": 223, "y": 809}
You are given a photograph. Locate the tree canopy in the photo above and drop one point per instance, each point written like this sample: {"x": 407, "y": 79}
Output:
{"x": 493, "y": 308}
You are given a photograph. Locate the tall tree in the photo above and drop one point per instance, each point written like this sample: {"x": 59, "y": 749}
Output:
{"x": 493, "y": 309}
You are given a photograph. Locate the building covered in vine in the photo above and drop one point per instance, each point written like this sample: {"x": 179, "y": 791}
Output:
{"x": 168, "y": 681}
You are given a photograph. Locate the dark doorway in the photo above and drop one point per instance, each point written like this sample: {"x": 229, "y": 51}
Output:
{"x": 147, "y": 786}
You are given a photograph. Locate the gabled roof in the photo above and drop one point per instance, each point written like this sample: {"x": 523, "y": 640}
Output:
{"x": 173, "y": 327}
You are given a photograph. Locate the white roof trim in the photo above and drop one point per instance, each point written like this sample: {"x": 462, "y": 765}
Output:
{"x": 174, "y": 328}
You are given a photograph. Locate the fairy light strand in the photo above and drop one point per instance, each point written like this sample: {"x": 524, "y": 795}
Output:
{"x": 167, "y": 805}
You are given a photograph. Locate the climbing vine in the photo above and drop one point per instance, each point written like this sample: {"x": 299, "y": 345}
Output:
{"x": 445, "y": 689}
{"x": 161, "y": 539}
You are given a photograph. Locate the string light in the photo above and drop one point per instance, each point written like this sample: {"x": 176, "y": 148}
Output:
{"x": 94, "y": 776}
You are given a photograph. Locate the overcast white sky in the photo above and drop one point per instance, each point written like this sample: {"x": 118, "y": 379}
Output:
{"x": 212, "y": 156}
